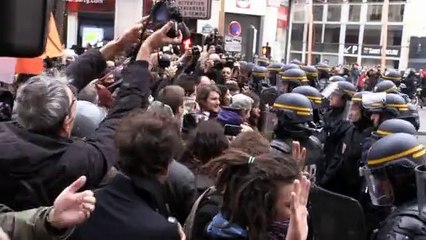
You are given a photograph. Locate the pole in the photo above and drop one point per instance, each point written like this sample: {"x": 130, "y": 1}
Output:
{"x": 311, "y": 31}
{"x": 222, "y": 18}
{"x": 385, "y": 13}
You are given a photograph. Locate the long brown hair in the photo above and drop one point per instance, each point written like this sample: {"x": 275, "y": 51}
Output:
{"x": 250, "y": 187}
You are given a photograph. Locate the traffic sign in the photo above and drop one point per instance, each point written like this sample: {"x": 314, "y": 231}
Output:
{"x": 233, "y": 44}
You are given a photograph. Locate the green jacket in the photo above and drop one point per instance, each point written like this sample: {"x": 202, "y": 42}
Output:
{"x": 31, "y": 225}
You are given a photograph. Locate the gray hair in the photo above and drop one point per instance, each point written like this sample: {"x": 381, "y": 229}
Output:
{"x": 89, "y": 94}
{"x": 42, "y": 104}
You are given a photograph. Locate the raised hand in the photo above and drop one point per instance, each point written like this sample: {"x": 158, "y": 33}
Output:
{"x": 298, "y": 154}
{"x": 298, "y": 227}
{"x": 71, "y": 208}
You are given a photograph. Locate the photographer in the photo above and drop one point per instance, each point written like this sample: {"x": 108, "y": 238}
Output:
{"x": 39, "y": 158}
{"x": 133, "y": 205}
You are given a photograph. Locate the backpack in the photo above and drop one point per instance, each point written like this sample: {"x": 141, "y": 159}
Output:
{"x": 209, "y": 197}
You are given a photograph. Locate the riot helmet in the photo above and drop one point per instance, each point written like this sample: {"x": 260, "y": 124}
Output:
{"x": 386, "y": 86}
{"x": 292, "y": 78}
{"x": 358, "y": 114}
{"x": 323, "y": 67}
{"x": 336, "y": 78}
{"x": 412, "y": 115}
{"x": 323, "y": 74}
{"x": 297, "y": 62}
{"x": 274, "y": 69}
{"x": 393, "y": 75}
{"x": 258, "y": 79}
{"x": 342, "y": 89}
{"x": 389, "y": 172}
{"x": 312, "y": 93}
{"x": 312, "y": 75}
{"x": 383, "y": 106}
{"x": 392, "y": 126}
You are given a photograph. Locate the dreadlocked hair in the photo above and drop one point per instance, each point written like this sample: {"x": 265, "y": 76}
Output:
{"x": 250, "y": 189}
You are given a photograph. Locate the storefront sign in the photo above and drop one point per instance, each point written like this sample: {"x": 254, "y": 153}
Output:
{"x": 195, "y": 9}
{"x": 351, "y": 49}
{"x": 377, "y": 51}
{"x": 246, "y": 7}
{"x": 246, "y": 4}
{"x": 207, "y": 29}
{"x": 91, "y": 5}
{"x": 282, "y": 21}
{"x": 233, "y": 44}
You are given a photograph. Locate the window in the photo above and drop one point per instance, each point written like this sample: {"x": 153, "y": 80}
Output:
{"x": 350, "y": 60}
{"x": 394, "y": 35}
{"x": 371, "y": 1}
{"x": 374, "y": 13}
{"x": 317, "y": 33}
{"x": 299, "y": 16}
{"x": 355, "y": 1}
{"x": 333, "y": 13}
{"x": 331, "y": 38}
{"x": 297, "y": 36}
{"x": 354, "y": 13}
{"x": 352, "y": 34}
{"x": 295, "y": 56}
{"x": 318, "y": 10}
{"x": 372, "y": 34}
{"x": 396, "y": 13}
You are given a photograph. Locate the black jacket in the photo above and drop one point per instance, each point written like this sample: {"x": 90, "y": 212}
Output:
{"x": 131, "y": 209}
{"x": 35, "y": 168}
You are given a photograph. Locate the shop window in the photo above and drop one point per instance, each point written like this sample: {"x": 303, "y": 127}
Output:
{"x": 355, "y": 1}
{"x": 352, "y": 34}
{"x": 333, "y": 13}
{"x": 331, "y": 38}
{"x": 354, "y": 13}
{"x": 318, "y": 12}
{"x": 297, "y": 36}
{"x": 394, "y": 35}
{"x": 350, "y": 60}
{"x": 372, "y": 34}
{"x": 396, "y": 13}
{"x": 374, "y": 13}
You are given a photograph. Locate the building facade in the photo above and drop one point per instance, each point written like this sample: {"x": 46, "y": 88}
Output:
{"x": 349, "y": 31}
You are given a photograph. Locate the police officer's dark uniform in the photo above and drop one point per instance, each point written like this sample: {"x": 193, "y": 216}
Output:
{"x": 390, "y": 177}
{"x": 348, "y": 174}
{"x": 335, "y": 129}
{"x": 293, "y": 112}
{"x": 274, "y": 69}
{"x": 312, "y": 75}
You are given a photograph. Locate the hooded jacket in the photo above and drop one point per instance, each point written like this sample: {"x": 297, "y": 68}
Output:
{"x": 35, "y": 168}
{"x": 229, "y": 116}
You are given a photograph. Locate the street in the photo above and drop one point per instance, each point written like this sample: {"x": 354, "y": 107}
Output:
{"x": 422, "y": 130}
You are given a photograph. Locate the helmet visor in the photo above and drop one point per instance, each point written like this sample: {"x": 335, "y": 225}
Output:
{"x": 271, "y": 121}
{"x": 330, "y": 89}
{"x": 421, "y": 189}
{"x": 379, "y": 186}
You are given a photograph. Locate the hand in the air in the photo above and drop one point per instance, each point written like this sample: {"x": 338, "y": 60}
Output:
{"x": 298, "y": 154}
{"x": 132, "y": 36}
{"x": 70, "y": 207}
{"x": 298, "y": 227}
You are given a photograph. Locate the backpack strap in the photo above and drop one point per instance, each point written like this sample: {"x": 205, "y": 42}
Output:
{"x": 189, "y": 222}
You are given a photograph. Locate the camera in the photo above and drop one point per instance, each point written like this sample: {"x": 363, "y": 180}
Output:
{"x": 162, "y": 12}
{"x": 164, "y": 60}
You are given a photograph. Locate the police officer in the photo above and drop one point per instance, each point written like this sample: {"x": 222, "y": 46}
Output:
{"x": 386, "y": 86}
{"x": 392, "y": 126}
{"x": 390, "y": 176}
{"x": 316, "y": 98}
{"x": 258, "y": 79}
{"x": 291, "y": 79}
{"x": 394, "y": 76}
{"x": 336, "y": 127}
{"x": 297, "y": 62}
{"x": 293, "y": 111}
{"x": 323, "y": 75}
{"x": 312, "y": 75}
{"x": 274, "y": 69}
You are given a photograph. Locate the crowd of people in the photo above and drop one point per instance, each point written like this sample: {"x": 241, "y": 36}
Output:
{"x": 199, "y": 145}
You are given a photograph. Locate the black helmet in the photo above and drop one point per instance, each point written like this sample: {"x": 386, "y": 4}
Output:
{"x": 288, "y": 67}
{"x": 392, "y": 75}
{"x": 336, "y": 79}
{"x": 397, "y": 102}
{"x": 386, "y": 86}
{"x": 297, "y": 62}
{"x": 390, "y": 169}
{"x": 357, "y": 97}
{"x": 311, "y": 71}
{"x": 323, "y": 67}
{"x": 296, "y": 76}
{"x": 341, "y": 88}
{"x": 275, "y": 67}
{"x": 412, "y": 115}
{"x": 395, "y": 125}
{"x": 312, "y": 93}
{"x": 259, "y": 72}
{"x": 293, "y": 108}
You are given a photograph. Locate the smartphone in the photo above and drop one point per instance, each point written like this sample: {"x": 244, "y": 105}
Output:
{"x": 232, "y": 130}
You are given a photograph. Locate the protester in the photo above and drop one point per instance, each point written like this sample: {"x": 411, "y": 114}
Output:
{"x": 208, "y": 97}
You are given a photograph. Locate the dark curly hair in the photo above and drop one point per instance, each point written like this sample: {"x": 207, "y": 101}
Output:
{"x": 250, "y": 190}
{"x": 147, "y": 142}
